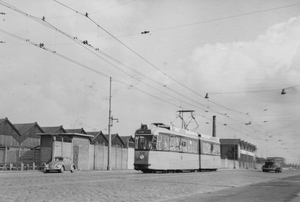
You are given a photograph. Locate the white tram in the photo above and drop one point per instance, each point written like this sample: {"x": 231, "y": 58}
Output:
{"x": 169, "y": 149}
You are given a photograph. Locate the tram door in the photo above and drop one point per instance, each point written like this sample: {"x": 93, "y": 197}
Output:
{"x": 199, "y": 152}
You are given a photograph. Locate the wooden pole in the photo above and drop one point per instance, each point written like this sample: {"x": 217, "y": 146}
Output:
{"x": 109, "y": 124}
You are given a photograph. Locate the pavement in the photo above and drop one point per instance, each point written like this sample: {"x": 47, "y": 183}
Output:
{"x": 125, "y": 185}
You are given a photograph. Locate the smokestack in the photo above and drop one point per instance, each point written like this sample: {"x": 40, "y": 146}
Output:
{"x": 214, "y": 127}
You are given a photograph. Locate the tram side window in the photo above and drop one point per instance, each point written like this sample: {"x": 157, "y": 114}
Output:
{"x": 189, "y": 146}
{"x": 195, "y": 147}
{"x": 152, "y": 144}
{"x": 166, "y": 142}
{"x": 159, "y": 140}
{"x": 183, "y": 145}
{"x": 177, "y": 144}
{"x": 172, "y": 143}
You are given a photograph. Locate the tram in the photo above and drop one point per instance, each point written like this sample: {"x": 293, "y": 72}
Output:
{"x": 170, "y": 149}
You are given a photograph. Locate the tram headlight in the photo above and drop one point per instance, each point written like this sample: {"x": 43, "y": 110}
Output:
{"x": 142, "y": 156}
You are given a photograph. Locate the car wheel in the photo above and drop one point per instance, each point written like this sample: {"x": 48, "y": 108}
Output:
{"x": 62, "y": 169}
{"x": 72, "y": 169}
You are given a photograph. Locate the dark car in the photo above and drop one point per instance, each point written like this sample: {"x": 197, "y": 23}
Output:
{"x": 272, "y": 166}
{"x": 60, "y": 164}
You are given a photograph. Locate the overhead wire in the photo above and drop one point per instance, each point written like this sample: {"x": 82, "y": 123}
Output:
{"x": 42, "y": 21}
{"x": 78, "y": 63}
{"x": 140, "y": 56}
{"x": 79, "y": 42}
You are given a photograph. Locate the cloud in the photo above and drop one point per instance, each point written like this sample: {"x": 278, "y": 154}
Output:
{"x": 239, "y": 66}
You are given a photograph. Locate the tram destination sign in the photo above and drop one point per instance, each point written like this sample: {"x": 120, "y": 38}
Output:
{"x": 143, "y": 132}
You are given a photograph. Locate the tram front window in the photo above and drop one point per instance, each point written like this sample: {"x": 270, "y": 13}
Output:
{"x": 145, "y": 142}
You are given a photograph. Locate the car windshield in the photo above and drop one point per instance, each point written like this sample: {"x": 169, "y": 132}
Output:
{"x": 58, "y": 159}
{"x": 270, "y": 163}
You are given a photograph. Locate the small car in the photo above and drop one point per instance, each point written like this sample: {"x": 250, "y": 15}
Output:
{"x": 60, "y": 164}
{"x": 272, "y": 166}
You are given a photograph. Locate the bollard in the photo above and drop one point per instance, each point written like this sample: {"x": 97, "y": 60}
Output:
{"x": 10, "y": 166}
{"x": 27, "y": 166}
{"x": 22, "y": 166}
{"x": 33, "y": 165}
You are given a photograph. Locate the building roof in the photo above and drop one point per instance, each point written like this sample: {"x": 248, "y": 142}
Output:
{"x": 79, "y": 130}
{"x": 24, "y": 127}
{"x": 94, "y": 133}
{"x": 114, "y": 136}
{"x": 53, "y": 129}
{"x": 125, "y": 139}
{"x": 66, "y": 134}
{"x": 10, "y": 124}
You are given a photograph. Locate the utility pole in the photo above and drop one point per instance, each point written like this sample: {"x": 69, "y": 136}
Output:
{"x": 234, "y": 152}
{"x": 109, "y": 124}
{"x": 110, "y": 121}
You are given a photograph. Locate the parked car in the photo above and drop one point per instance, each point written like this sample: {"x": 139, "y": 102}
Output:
{"x": 272, "y": 165}
{"x": 60, "y": 164}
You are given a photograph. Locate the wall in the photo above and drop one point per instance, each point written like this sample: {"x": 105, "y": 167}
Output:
{"x": 46, "y": 149}
{"x": 130, "y": 158}
{"x": 81, "y": 152}
{"x": 99, "y": 158}
{"x": 14, "y": 155}
{"x": 63, "y": 149}
{"x": 230, "y": 164}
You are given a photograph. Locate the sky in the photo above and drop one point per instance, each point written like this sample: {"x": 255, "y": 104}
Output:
{"x": 242, "y": 54}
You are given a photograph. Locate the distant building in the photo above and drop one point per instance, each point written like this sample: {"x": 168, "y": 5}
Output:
{"x": 54, "y": 129}
{"x": 9, "y": 135}
{"x": 78, "y": 130}
{"x": 98, "y": 138}
{"x": 73, "y": 145}
{"x": 116, "y": 140}
{"x": 29, "y": 137}
{"x": 128, "y": 141}
{"x": 241, "y": 152}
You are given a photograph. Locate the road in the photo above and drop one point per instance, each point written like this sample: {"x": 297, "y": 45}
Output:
{"x": 129, "y": 185}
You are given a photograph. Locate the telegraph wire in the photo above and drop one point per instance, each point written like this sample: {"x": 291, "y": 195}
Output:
{"x": 227, "y": 17}
{"x": 140, "y": 56}
{"x": 215, "y": 19}
{"x": 85, "y": 42}
{"x": 255, "y": 91}
{"x": 43, "y": 21}
{"x": 41, "y": 45}
{"x": 47, "y": 24}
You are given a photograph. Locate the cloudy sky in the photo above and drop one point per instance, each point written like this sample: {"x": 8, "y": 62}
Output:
{"x": 242, "y": 53}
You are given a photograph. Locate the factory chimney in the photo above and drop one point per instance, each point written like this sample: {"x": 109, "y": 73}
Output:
{"x": 214, "y": 127}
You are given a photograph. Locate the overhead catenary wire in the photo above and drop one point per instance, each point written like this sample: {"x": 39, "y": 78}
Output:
{"x": 254, "y": 91}
{"x": 143, "y": 58}
{"x": 39, "y": 19}
{"x": 78, "y": 63}
{"x": 76, "y": 40}
{"x": 87, "y": 67}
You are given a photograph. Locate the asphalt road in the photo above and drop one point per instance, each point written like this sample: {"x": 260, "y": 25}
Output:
{"x": 129, "y": 185}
